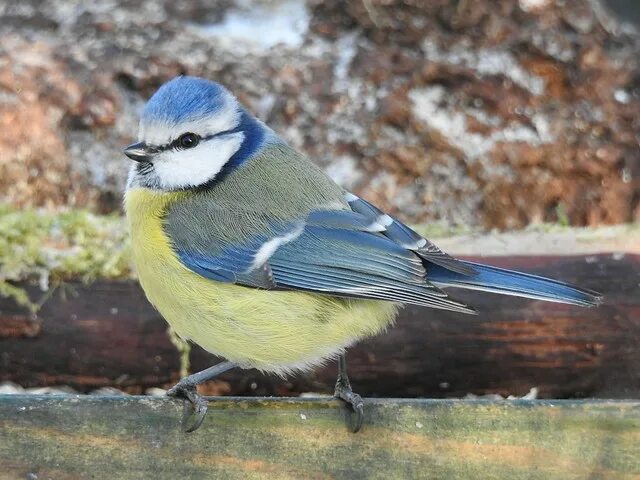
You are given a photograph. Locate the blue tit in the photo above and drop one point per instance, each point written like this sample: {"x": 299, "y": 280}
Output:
{"x": 250, "y": 250}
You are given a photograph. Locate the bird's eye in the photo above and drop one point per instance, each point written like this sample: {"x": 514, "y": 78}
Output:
{"x": 188, "y": 140}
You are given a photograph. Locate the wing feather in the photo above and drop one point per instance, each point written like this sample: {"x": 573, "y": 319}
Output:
{"x": 336, "y": 252}
{"x": 359, "y": 264}
{"x": 407, "y": 238}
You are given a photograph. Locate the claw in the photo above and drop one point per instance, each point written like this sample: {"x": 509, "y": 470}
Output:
{"x": 195, "y": 406}
{"x": 354, "y": 401}
{"x": 358, "y": 409}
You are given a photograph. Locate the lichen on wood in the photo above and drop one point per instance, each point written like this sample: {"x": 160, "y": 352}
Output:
{"x": 49, "y": 247}
{"x": 138, "y": 437}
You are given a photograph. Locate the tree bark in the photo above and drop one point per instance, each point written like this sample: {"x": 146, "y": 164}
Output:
{"x": 107, "y": 334}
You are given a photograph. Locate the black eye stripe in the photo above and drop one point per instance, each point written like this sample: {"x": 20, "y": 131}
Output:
{"x": 175, "y": 145}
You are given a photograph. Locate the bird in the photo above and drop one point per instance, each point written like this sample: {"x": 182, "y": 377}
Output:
{"x": 250, "y": 250}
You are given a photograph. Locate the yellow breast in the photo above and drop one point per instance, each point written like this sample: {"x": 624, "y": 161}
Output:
{"x": 270, "y": 330}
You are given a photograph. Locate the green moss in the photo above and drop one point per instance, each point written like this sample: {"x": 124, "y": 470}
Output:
{"x": 19, "y": 295}
{"x": 561, "y": 214}
{"x": 52, "y": 247}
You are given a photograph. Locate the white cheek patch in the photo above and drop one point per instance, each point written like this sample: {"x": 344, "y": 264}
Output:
{"x": 161, "y": 133}
{"x": 198, "y": 165}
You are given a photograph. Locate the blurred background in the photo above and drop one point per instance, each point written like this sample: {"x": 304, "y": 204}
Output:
{"x": 467, "y": 116}
{"x": 488, "y": 113}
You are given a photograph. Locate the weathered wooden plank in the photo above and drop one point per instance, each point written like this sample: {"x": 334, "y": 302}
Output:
{"x": 553, "y": 240}
{"x": 107, "y": 334}
{"x": 138, "y": 437}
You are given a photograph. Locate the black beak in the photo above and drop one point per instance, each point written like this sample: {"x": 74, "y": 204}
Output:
{"x": 140, "y": 152}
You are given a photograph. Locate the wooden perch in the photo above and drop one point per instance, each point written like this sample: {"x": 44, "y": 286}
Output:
{"x": 139, "y": 437}
{"x": 106, "y": 334}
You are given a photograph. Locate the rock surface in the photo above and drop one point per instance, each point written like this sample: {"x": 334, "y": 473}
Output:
{"x": 487, "y": 113}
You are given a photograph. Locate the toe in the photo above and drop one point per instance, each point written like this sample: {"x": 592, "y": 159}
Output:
{"x": 195, "y": 406}
{"x": 173, "y": 392}
{"x": 193, "y": 415}
{"x": 356, "y": 405}
{"x": 179, "y": 391}
{"x": 358, "y": 413}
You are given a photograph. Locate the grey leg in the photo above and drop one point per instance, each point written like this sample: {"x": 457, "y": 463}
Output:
{"x": 196, "y": 404}
{"x": 344, "y": 392}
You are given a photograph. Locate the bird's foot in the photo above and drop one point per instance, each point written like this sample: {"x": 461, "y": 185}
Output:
{"x": 343, "y": 391}
{"x": 195, "y": 405}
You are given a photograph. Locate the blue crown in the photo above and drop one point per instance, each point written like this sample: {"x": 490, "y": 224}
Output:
{"x": 183, "y": 99}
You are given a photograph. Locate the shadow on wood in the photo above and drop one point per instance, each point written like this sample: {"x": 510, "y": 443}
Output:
{"x": 139, "y": 437}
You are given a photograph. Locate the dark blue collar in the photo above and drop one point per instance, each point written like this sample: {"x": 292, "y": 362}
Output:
{"x": 254, "y": 136}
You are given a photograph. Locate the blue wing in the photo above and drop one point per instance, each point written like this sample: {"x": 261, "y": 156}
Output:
{"x": 336, "y": 252}
{"x": 233, "y": 265}
{"x": 242, "y": 263}
{"x": 356, "y": 263}
{"x": 365, "y": 253}
{"x": 407, "y": 238}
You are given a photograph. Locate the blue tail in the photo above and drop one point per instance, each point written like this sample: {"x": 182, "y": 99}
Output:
{"x": 508, "y": 282}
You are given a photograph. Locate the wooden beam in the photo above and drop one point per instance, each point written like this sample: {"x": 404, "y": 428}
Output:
{"x": 546, "y": 240}
{"x": 139, "y": 437}
{"x": 106, "y": 334}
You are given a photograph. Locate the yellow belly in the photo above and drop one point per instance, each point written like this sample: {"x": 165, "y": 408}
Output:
{"x": 268, "y": 330}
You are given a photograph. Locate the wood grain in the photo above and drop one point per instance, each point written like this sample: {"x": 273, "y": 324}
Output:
{"x": 132, "y": 438}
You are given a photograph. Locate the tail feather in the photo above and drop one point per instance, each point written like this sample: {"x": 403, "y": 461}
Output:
{"x": 508, "y": 282}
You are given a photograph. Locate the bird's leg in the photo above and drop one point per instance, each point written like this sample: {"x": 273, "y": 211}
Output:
{"x": 196, "y": 404}
{"x": 344, "y": 392}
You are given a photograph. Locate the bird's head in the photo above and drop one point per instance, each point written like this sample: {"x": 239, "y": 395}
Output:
{"x": 192, "y": 132}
